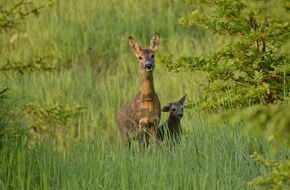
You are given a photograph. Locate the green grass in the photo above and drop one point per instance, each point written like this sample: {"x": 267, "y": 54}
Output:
{"x": 97, "y": 70}
{"x": 211, "y": 158}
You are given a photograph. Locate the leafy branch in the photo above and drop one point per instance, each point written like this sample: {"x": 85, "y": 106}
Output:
{"x": 253, "y": 67}
{"x": 15, "y": 14}
{"x": 53, "y": 121}
{"x": 277, "y": 178}
{"x": 45, "y": 63}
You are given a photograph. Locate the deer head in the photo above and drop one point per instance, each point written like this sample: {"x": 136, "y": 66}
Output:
{"x": 175, "y": 108}
{"x": 145, "y": 56}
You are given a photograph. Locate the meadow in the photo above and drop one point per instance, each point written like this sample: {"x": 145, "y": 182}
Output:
{"x": 95, "y": 69}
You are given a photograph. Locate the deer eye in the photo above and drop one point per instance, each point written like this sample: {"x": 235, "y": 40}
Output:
{"x": 140, "y": 58}
{"x": 173, "y": 109}
{"x": 152, "y": 56}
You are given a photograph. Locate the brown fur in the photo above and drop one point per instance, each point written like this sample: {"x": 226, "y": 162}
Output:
{"x": 171, "y": 129}
{"x": 139, "y": 118}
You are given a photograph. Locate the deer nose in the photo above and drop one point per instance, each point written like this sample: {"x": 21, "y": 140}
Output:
{"x": 148, "y": 66}
{"x": 180, "y": 115}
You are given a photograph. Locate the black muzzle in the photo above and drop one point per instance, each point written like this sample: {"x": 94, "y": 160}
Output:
{"x": 180, "y": 116}
{"x": 148, "y": 66}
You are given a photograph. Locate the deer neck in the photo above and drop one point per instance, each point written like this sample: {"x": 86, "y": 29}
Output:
{"x": 147, "y": 87}
{"x": 173, "y": 121}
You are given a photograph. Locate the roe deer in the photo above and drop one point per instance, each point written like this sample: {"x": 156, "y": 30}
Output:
{"x": 171, "y": 129}
{"x": 140, "y": 117}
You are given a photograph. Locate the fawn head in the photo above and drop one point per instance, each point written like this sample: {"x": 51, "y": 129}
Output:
{"x": 145, "y": 56}
{"x": 175, "y": 108}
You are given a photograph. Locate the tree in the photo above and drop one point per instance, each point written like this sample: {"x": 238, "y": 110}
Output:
{"x": 274, "y": 124}
{"x": 13, "y": 14}
{"x": 253, "y": 68}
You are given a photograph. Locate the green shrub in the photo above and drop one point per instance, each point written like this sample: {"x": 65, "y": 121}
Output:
{"x": 253, "y": 67}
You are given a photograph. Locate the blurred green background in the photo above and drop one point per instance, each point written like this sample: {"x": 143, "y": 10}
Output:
{"x": 95, "y": 67}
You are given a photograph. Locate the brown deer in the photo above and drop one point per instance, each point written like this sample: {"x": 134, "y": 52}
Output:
{"x": 171, "y": 129}
{"x": 139, "y": 118}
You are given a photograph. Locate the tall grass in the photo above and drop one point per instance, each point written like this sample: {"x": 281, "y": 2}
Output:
{"x": 98, "y": 71}
{"x": 92, "y": 32}
{"x": 204, "y": 160}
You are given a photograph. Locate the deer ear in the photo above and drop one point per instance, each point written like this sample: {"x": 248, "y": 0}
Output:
{"x": 133, "y": 45}
{"x": 166, "y": 107}
{"x": 154, "y": 43}
{"x": 182, "y": 99}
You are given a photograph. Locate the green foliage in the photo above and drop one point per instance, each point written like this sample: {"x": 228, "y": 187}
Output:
{"x": 41, "y": 116}
{"x": 274, "y": 124}
{"x": 56, "y": 121}
{"x": 277, "y": 178}
{"x": 14, "y": 13}
{"x": 42, "y": 63}
{"x": 40, "y": 119}
{"x": 253, "y": 67}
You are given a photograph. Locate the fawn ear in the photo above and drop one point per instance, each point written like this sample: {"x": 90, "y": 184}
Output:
{"x": 154, "y": 43}
{"x": 182, "y": 99}
{"x": 166, "y": 107}
{"x": 133, "y": 45}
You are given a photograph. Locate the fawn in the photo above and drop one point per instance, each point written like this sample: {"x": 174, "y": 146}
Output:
{"x": 139, "y": 118}
{"x": 171, "y": 129}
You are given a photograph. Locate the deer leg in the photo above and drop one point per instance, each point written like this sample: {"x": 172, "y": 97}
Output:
{"x": 129, "y": 143}
{"x": 147, "y": 140}
{"x": 141, "y": 139}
